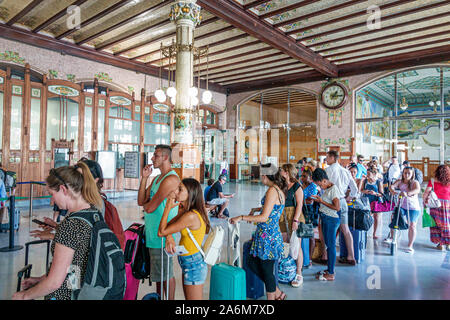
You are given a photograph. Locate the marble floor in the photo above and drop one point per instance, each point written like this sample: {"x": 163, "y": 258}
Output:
{"x": 422, "y": 275}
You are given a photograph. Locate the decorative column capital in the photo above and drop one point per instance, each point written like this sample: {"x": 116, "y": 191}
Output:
{"x": 186, "y": 10}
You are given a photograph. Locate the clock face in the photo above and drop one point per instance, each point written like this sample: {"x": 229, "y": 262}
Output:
{"x": 333, "y": 96}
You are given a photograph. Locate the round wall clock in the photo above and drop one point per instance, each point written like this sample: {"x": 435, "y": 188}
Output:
{"x": 334, "y": 95}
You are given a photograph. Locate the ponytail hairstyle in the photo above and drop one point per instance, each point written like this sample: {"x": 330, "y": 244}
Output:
{"x": 76, "y": 182}
{"x": 195, "y": 199}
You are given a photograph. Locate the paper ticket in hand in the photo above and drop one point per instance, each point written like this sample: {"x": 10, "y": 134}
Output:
{"x": 178, "y": 251}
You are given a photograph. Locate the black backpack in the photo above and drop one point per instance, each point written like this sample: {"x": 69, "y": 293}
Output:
{"x": 105, "y": 277}
{"x": 141, "y": 264}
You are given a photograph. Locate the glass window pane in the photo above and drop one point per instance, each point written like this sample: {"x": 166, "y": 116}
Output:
{"x": 249, "y": 114}
{"x": 137, "y": 116}
{"x": 123, "y": 130}
{"x": 101, "y": 129}
{"x": 374, "y": 139}
{"x": 419, "y": 91}
{"x": 376, "y": 100}
{"x": 114, "y": 111}
{"x": 53, "y": 121}
{"x": 35, "y": 125}
{"x": 447, "y": 90}
{"x": 418, "y": 139}
{"x": 72, "y": 123}
{"x": 16, "y": 123}
{"x": 1, "y": 121}
{"x": 87, "y": 128}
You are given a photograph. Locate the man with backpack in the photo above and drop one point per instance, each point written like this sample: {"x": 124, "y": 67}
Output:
{"x": 153, "y": 199}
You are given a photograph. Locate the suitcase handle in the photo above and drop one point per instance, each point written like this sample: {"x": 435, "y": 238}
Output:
{"x": 27, "y": 248}
{"x": 25, "y": 272}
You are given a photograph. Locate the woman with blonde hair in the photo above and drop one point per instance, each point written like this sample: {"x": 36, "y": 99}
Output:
{"x": 293, "y": 212}
{"x": 73, "y": 189}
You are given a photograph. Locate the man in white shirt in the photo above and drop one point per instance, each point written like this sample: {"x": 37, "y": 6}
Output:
{"x": 342, "y": 178}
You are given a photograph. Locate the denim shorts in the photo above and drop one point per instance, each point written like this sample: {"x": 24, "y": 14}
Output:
{"x": 413, "y": 214}
{"x": 194, "y": 269}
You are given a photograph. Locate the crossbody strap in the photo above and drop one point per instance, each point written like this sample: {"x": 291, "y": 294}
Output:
{"x": 195, "y": 242}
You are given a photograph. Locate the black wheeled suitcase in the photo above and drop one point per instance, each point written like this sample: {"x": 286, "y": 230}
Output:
{"x": 25, "y": 272}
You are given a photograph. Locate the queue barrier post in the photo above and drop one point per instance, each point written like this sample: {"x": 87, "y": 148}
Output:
{"x": 12, "y": 218}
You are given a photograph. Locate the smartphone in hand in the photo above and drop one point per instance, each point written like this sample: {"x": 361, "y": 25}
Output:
{"x": 42, "y": 223}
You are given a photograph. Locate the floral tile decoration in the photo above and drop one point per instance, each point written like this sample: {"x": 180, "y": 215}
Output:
{"x": 103, "y": 76}
{"x": 12, "y": 56}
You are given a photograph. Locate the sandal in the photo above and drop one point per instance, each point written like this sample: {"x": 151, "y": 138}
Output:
{"x": 326, "y": 277}
{"x": 409, "y": 250}
{"x": 346, "y": 261}
{"x": 282, "y": 296}
{"x": 297, "y": 282}
{"x": 320, "y": 273}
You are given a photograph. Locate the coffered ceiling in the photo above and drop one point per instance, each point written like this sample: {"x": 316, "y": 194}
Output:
{"x": 253, "y": 44}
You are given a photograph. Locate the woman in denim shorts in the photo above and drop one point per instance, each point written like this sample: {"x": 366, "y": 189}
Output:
{"x": 192, "y": 217}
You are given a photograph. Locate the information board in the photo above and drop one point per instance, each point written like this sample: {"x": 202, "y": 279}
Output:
{"x": 107, "y": 161}
{"x": 132, "y": 168}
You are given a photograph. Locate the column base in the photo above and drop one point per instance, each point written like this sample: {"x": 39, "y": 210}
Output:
{"x": 186, "y": 160}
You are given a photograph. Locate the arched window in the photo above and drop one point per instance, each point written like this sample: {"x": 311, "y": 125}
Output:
{"x": 156, "y": 125}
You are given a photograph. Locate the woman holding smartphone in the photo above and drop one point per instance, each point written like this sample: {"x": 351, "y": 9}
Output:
{"x": 191, "y": 220}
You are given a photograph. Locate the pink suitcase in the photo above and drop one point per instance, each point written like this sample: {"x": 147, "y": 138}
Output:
{"x": 131, "y": 244}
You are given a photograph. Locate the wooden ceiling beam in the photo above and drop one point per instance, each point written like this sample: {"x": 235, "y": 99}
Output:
{"x": 57, "y": 16}
{"x": 254, "y": 4}
{"x": 390, "y": 17}
{"x": 390, "y": 50}
{"x": 134, "y": 34}
{"x": 262, "y": 75}
{"x": 123, "y": 22}
{"x": 24, "y": 12}
{"x": 50, "y": 43}
{"x": 94, "y": 18}
{"x": 263, "y": 31}
{"x": 402, "y": 60}
{"x": 389, "y": 36}
{"x": 278, "y": 81}
{"x": 288, "y": 8}
{"x": 249, "y": 72}
{"x": 323, "y": 11}
{"x": 386, "y": 44}
{"x": 371, "y": 32}
{"x": 167, "y": 36}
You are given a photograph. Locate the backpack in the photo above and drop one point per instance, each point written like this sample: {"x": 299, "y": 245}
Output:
{"x": 213, "y": 244}
{"x": 419, "y": 175}
{"x": 105, "y": 277}
{"x": 112, "y": 219}
{"x": 136, "y": 252}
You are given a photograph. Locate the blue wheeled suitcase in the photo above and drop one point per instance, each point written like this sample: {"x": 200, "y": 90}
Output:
{"x": 227, "y": 283}
{"x": 359, "y": 244}
{"x": 255, "y": 286}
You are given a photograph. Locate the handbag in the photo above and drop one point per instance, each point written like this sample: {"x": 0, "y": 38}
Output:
{"x": 433, "y": 200}
{"x": 427, "y": 219}
{"x": 362, "y": 219}
{"x": 305, "y": 229}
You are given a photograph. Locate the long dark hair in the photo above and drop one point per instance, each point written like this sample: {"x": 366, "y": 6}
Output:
{"x": 411, "y": 181}
{"x": 195, "y": 199}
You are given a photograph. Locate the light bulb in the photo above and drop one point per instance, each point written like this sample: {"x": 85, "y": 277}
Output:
{"x": 171, "y": 92}
{"x": 431, "y": 103}
{"x": 160, "y": 95}
{"x": 194, "y": 101}
{"x": 207, "y": 97}
{"x": 193, "y": 92}
{"x": 438, "y": 103}
{"x": 173, "y": 100}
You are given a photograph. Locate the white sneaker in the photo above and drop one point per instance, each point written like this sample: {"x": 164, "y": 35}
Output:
{"x": 298, "y": 281}
{"x": 387, "y": 240}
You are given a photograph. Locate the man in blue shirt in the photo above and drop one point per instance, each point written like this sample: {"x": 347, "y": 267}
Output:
{"x": 362, "y": 171}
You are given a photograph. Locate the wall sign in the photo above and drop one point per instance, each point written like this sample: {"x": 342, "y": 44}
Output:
{"x": 119, "y": 100}
{"x": 132, "y": 165}
{"x": 63, "y": 91}
{"x": 161, "y": 107}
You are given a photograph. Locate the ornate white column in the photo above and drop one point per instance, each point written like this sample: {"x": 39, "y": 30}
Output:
{"x": 186, "y": 15}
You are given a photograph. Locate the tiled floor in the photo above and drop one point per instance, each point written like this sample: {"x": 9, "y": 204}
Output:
{"x": 422, "y": 275}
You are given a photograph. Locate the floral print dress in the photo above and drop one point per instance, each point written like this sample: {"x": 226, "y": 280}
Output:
{"x": 267, "y": 242}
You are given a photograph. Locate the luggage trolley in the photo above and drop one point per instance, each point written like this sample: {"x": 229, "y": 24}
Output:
{"x": 395, "y": 226}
